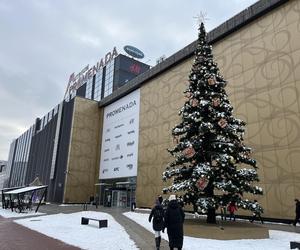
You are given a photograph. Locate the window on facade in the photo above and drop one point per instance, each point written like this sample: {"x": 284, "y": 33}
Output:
{"x": 88, "y": 91}
{"x": 98, "y": 85}
{"x": 109, "y": 75}
{"x": 73, "y": 94}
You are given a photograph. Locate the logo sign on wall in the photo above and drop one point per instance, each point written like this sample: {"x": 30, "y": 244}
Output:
{"x": 119, "y": 149}
{"x": 134, "y": 52}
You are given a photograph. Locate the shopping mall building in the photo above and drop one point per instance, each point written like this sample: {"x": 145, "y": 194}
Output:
{"x": 112, "y": 138}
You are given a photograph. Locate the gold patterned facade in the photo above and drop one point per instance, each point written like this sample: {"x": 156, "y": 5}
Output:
{"x": 261, "y": 63}
{"x": 83, "y": 161}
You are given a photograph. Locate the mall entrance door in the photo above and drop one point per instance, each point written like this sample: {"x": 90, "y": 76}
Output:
{"x": 119, "y": 198}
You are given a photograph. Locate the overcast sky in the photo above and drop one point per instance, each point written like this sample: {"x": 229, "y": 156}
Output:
{"x": 43, "y": 41}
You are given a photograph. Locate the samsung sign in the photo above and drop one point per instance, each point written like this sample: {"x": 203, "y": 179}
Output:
{"x": 133, "y": 51}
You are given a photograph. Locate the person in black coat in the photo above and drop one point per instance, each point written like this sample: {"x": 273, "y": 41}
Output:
{"x": 174, "y": 218}
{"x": 157, "y": 213}
{"x": 297, "y": 212}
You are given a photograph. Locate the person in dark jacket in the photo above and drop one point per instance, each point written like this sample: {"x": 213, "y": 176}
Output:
{"x": 157, "y": 213}
{"x": 174, "y": 218}
{"x": 297, "y": 212}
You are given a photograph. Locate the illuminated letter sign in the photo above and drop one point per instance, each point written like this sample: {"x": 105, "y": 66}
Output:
{"x": 87, "y": 73}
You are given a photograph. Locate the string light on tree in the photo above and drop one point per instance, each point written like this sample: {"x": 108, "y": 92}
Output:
{"x": 210, "y": 156}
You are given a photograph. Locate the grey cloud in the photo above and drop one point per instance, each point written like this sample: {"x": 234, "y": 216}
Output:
{"x": 43, "y": 42}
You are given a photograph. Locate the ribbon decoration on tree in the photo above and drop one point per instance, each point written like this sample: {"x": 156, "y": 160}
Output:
{"x": 216, "y": 102}
{"x": 222, "y": 123}
{"x": 194, "y": 102}
{"x": 211, "y": 81}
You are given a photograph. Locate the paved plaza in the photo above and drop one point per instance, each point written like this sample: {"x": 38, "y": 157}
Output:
{"x": 14, "y": 236}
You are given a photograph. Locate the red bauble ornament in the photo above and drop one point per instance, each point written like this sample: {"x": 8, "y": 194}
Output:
{"x": 189, "y": 152}
{"x": 202, "y": 183}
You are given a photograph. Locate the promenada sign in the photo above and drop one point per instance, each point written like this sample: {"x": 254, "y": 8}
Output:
{"x": 122, "y": 108}
{"x": 76, "y": 81}
{"x": 119, "y": 148}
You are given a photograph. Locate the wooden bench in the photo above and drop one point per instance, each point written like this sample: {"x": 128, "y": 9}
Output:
{"x": 295, "y": 244}
{"x": 85, "y": 221}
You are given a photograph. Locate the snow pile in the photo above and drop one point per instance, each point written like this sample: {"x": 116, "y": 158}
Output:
{"x": 68, "y": 228}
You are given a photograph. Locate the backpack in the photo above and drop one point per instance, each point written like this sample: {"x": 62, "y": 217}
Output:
{"x": 158, "y": 215}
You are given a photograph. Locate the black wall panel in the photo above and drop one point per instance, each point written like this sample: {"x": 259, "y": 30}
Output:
{"x": 41, "y": 152}
{"x": 56, "y": 189}
{"x": 40, "y": 156}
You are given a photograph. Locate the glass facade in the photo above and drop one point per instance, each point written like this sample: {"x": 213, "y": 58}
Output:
{"x": 98, "y": 85}
{"x": 89, "y": 87}
{"x": 113, "y": 75}
{"x": 109, "y": 79}
{"x": 73, "y": 94}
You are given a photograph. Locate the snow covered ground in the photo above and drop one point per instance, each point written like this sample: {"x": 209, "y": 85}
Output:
{"x": 68, "y": 228}
{"x": 278, "y": 240}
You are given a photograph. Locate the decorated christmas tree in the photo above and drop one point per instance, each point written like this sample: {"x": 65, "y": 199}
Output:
{"x": 212, "y": 166}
